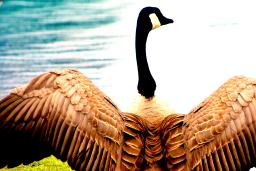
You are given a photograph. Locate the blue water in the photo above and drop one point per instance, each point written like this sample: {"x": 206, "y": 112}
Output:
{"x": 37, "y": 36}
{"x": 209, "y": 42}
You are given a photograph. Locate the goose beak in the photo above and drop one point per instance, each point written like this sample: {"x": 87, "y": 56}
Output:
{"x": 165, "y": 20}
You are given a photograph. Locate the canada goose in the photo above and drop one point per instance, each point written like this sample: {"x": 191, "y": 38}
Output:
{"x": 63, "y": 113}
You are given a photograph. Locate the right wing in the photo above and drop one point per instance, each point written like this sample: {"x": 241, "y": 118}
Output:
{"x": 65, "y": 111}
{"x": 219, "y": 134}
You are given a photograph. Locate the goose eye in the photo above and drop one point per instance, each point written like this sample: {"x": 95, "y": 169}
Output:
{"x": 154, "y": 21}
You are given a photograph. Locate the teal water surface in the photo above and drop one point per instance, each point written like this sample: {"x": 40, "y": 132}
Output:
{"x": 37, "y": 36}
{"x": 209, "y": 42}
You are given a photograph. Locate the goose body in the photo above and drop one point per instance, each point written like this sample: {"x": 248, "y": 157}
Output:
{"x": 63, "y": 113}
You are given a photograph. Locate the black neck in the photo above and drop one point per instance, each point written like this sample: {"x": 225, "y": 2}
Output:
{"x": 146, "y": 84}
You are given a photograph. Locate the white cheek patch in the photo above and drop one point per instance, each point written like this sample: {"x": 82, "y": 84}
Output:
{"x": 154, "y": 21}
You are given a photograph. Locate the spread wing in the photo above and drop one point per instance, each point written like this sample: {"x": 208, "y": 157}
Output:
{"x": 68, "y": 116}
{"x": 219, "y": 134}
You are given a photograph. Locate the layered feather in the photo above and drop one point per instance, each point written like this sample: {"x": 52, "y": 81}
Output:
{"x": 63, "y": 113}
{"x": 66, "y": 112}
{"x": 219, "y": 134}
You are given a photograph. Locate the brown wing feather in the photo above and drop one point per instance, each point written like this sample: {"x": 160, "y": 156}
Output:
{"x": 64, "y": 110}
{"x": 133, "y": 149}
{"x": 219, "y": 134}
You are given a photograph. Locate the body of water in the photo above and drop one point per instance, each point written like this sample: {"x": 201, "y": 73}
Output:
{"x": 38, "y": 36}
{"x": 208, "y": 43}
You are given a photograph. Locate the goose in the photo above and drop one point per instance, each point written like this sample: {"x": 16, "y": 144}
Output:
{"x": 63, "y": 113}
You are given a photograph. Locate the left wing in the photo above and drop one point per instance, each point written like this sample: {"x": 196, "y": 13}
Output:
{"x": 68, "y": 115}
{"x": 219, "y": 134}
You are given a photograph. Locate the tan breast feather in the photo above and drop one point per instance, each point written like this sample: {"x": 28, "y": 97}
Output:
{"x": 63, "y": 113}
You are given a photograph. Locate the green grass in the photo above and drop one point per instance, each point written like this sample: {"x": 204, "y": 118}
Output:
{"x": 47, "y": 164}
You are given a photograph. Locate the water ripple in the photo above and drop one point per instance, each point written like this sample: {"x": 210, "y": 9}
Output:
{"x": 37, "y": 36}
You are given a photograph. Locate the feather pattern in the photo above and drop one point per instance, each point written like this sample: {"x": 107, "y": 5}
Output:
{"x": 66, "y": 114}
{"x": 219, "y": 134}
{"x": 61, "y": 105}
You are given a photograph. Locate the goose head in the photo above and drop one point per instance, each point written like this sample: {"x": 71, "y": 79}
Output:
{"x": 149, "y": 18}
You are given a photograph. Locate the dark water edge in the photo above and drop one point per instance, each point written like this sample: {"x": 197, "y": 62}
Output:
{"x": 37, "y": 36}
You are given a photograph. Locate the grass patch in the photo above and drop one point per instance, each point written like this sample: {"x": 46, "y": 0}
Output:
{"x": 47, "y": 164}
